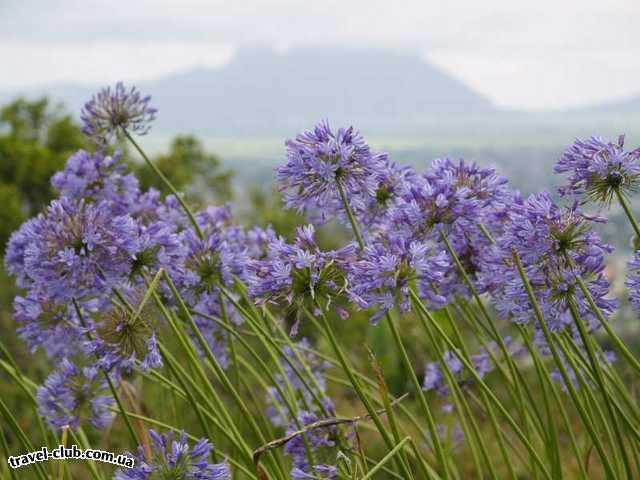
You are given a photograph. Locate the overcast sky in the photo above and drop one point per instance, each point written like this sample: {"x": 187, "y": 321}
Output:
{"x": 536, "y": 54}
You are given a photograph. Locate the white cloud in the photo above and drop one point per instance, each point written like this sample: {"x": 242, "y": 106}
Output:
{"x": 89, "y": 63}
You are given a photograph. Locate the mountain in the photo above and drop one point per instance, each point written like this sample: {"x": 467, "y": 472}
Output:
{"x": 263, "y": 92}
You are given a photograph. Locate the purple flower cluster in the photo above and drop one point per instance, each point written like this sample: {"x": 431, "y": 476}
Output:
{"x": 555, "y": 245}
{"x": 85, "y": 262}
{"x": 173, "y": 458}
{"x": 322, "y": 163}
{"x": 467, "y": 204}
{"x": 597, "y": 169}
{"x": 72, "y": 395}
{"x": 111, "y": 110}
{"x": 98, "y": 178}
{"x": 300, "y": 275}
{"x": 78, "y": 249}
{"x": 381, "y": 277}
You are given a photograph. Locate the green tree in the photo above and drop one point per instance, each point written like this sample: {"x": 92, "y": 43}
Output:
{"x": 191, "y": 169}
{"x": 35, "y": 141}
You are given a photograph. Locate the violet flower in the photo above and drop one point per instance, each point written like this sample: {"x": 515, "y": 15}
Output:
{"x": 597, "y": 169}
{"x": 112, "y": 110}
{"x": 319, "y": 163}
{"x": 173, "y": 458}
{"x": 71, "y": 396}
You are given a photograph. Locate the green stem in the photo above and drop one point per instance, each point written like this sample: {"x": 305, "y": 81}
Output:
{"x": 167, "y": 183}
{"x": 360, "y": 392}
{"x": 485, "y": 402}
{"x": 19, "y": 433}
{"x": 503, "y": 411}
{"x": 620, "y": 345}
{"x": 595, "y": 367}
{"x": 586, "y": 420}
{"x": 498, "y": 339}
{"x": 190, "y": 397}
{"x": 5, "y": 449}
{"x": 431, "y": 424}
{"x": 627, "y": 210}
{"x": 352, "y": 218}
{"x": 472, "y": 435}
{"x": 386, "y": 458}
{"x": 547, "y": 382}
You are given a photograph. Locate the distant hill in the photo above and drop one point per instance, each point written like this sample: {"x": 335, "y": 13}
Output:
{"x": 263, "y": 92}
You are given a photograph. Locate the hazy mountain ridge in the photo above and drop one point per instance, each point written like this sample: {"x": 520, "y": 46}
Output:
{"x": 263, "y": 92}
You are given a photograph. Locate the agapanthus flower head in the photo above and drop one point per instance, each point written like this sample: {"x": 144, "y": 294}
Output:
{"x": 44, "y": 324}
{"x": 597, "y": 169}
{"x": 77, "y": 249}
{"x": 72, "y": 396}
{"x": 388, "y": 267}
{"x": 555, "y": 246}
{"x": 452, "y": 196}
{"x": 373, "y": 211}
{"x": 257, "y": 241}
{"x": 124, "y": 338}
{"x": 111, "y": 110}
{"x": 98, "y": 178}
{"x": 464, "y": 202}
{"x": 300, "y": 275}
{"x": 321, "y": 160}
{"x": 17, "y": 245}
{"x": 173, "y": 458}
{"x": 210, "y": 263}
{"x": 159, "y": 246}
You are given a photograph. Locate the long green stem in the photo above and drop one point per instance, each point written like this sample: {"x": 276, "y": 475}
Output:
{"x": 620, "y": 345}
{"x": 13, "y": 424}
{"x": 547, "y": 382}
{"x": 167, "y": 183}
{"x": 561, "y": 367}
{"x": 431, "y": 424}
{"x": 503, "y": 411}
{"x": 472, "y": 434}
{"x": 597, "y": 372}
{"x": 394, "y": 451}
{"x": 352, "y": 218}
{"x": 5, "y": 449}
{"x": 498, "y": 338}
{"x": 485, "y": 402}
{"x": 627, "y": 210}
{"x": 364, "y": 398}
